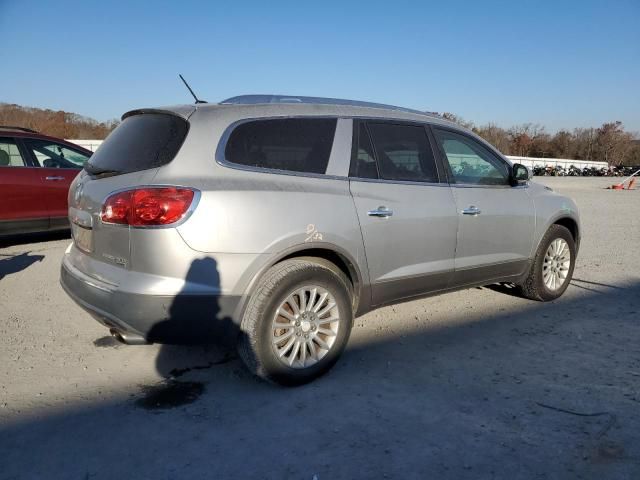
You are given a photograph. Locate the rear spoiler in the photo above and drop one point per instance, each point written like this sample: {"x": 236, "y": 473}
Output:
{"x": 182, "y": 111}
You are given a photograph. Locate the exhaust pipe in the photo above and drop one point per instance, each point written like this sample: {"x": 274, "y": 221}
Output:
{"x": 128, "y": 338}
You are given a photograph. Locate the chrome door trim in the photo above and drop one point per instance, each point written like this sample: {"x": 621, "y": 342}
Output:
{"x": 472, "y": 210}
{"x": 381, "y": 211}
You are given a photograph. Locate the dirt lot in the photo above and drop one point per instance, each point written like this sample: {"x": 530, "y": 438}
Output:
{"x": 475, "y": 384}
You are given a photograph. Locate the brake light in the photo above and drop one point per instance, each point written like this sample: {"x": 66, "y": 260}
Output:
{"x": 143, "y": 207}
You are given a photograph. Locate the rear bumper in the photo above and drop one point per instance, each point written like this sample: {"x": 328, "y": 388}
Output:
{"x": 181, "y": 318}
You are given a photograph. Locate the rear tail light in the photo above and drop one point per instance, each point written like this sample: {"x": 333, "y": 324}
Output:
{"x": 142, "y": 207}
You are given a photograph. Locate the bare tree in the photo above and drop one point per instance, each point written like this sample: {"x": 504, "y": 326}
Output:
{"x": 56, "y": 123}
{"x": 496, "y": 136}
{"x": 613, "y": 143}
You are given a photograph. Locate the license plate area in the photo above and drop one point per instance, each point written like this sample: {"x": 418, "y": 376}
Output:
{"x": 82, "y": 237}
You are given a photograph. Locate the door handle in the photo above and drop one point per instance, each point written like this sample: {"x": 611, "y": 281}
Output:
{"x": 53, "y": 179}
{"x": 472, "y": 210}
{"x": 381, "y": 211}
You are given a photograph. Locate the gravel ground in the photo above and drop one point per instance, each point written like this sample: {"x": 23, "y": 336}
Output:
{"x": 474, "y": 384}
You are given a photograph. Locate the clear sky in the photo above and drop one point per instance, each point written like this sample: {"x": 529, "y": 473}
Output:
{"x": 563, "y": 63}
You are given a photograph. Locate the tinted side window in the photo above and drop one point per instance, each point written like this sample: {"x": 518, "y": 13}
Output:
{"x": 471, "y": 162}
{"x": 363, "y": 163}
{"x": 292, "y": 144}
{"x": 10, "y": 154}
{"x": 54, "y": 155}
{"x": 403, "y": 152}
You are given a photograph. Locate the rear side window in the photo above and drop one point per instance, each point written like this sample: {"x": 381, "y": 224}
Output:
{"x": 403, "y": 152}
{"x": 291, "y": 144}
{"x": 10, "y": 154}
{"x": 140, "y": 142}
{"x": 363, "y": 165}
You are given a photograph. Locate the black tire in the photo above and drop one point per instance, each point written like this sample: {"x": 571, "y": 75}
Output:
{"x": 533, "y": 287}
{"x": 255, "y": 344}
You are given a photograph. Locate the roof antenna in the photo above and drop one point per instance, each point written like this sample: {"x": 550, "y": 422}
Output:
{"x": 194, "y": 95}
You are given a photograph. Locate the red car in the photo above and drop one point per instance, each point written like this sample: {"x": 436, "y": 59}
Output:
{"x": 35, "y": 174}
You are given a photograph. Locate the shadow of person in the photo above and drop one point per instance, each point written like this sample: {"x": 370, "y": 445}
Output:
{"x": 17, "y": 263}
{"x": 195, "y": 317}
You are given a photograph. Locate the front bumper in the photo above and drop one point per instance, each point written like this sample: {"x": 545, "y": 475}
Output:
{"x": 182, "y": 318}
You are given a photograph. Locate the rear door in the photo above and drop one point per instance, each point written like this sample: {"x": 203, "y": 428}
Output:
{"x": 496, "y": 221}
{"x": 407, "y": 215}
{"x": 22, "y": 206}
{"x": 58, "y": 165}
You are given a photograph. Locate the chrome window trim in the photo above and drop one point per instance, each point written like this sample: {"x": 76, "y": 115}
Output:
{"x": 477, "y": 185}
{"x": 399, "y": 182}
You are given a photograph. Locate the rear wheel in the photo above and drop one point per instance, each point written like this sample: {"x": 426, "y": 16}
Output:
{"x": 297, "y": 322}
{"x": 552, "y": 267}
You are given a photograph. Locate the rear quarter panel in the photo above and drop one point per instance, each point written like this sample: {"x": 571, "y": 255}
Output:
{"x": 267, "y": 214}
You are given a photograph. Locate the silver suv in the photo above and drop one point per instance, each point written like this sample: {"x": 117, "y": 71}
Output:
{"x": 271, "y": 222}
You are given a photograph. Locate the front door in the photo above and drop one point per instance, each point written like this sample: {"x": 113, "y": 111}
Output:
{"x": 59, "y": 166}
{"x": 407, "y": 216}
{"x": 22, "y": 207}
{"x": 496, "y": 221}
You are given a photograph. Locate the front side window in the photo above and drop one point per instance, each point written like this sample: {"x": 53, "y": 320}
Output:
{"x": 290, "y": 144}
{"x": 54, "y": 155}
{"x": 471, "y": 162}
{"x": 10, "y": 154}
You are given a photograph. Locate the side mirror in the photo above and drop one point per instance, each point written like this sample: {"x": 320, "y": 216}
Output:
{"x": 520, "y": 175}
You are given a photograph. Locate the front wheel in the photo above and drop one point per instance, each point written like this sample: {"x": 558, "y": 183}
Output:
{"x": 552, "y": 267}
{"x": 297, "y": 322}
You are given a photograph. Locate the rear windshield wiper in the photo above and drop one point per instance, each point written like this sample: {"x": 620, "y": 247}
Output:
{"x": 93, "y": 170}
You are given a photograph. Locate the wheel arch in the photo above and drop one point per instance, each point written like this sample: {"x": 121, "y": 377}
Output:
{"x": 327, "y": 252}
{"x": 571, "y": 225}
{"x": 340, "y": 259}
{"x": 566, "y": 221}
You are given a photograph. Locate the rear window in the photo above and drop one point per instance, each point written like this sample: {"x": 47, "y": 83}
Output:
{"x": 140, "y": 142}
{"x": 291, "y": 144}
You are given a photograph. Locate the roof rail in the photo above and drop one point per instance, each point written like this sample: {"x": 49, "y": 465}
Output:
{"x": 293, "y": 99}
{"x": 21, "y": 129}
